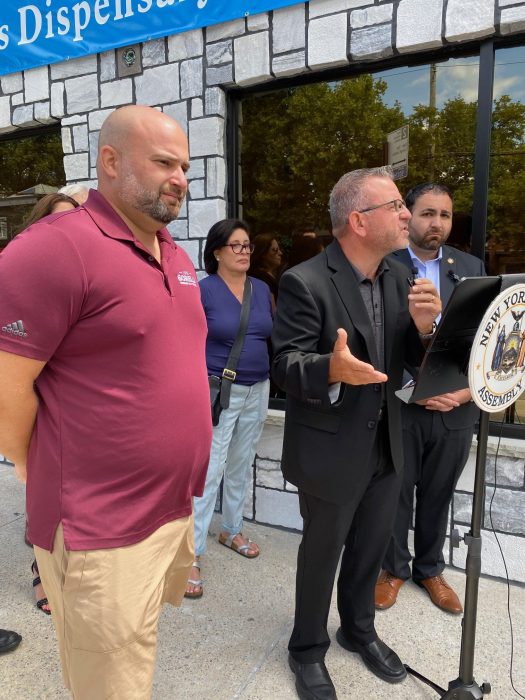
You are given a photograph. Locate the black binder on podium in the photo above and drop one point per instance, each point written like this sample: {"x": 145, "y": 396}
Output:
{"x": 445, "y": 365}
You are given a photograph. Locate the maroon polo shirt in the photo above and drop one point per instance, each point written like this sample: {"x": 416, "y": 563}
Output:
{"x": 123, "y": 429}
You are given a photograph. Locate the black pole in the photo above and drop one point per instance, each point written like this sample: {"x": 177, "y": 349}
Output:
{"x": 482, "y": 158}
{"x": 464, "y": 687}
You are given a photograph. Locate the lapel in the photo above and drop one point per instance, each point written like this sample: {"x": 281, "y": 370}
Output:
{"x": 447, "y": 268}
{"x": 347, "y": 288}
{"x": 403, "y": 256}
{"x": 390, "y": 311}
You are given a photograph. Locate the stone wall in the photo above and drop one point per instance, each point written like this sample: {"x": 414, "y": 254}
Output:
{"x": 273, "y": 501}
{"x": 186, "y": 75}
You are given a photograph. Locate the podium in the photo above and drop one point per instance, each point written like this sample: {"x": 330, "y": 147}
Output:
{"x": 479, "y": 344}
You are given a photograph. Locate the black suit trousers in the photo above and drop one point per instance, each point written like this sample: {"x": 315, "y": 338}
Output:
{"x": 362, "y": 527}
{"x": 434, "y": 459}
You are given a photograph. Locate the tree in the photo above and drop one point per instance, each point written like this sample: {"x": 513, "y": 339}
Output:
{"x": 297, "y": 143}
{"x": 25, "y": 162}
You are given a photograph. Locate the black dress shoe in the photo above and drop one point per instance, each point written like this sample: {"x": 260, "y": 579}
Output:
{"x": 9, "y": 641}
{"x": 312, "y": 681}
{"x": 379, "y": 658}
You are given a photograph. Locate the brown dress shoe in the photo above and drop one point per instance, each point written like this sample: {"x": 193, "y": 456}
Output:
{"x": 387, "y": 588}
{"x": 441, "y": 594}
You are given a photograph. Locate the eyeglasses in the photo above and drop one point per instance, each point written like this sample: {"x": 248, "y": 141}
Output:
{"x": 239, "y": 248}
{"x": 399, "y": 205}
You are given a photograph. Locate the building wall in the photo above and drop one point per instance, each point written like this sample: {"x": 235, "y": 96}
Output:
{"x": 273, "y": 501}
{"x": 186, "y": 75}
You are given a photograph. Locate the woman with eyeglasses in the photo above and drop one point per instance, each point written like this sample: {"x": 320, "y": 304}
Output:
{"x": 267, "y": 260}
{"x": 227, "y": 256}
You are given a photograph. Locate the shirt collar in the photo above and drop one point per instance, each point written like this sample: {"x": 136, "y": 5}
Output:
{"x": 111, "y": 224}
{"x": 383, "y": 267}
{"x": 415, "y": 259}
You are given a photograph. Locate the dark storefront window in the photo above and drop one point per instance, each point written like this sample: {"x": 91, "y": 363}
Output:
{"x": 295, "y": 143}
{"x": 30, "y": 166}
{"x": 506, "y": 209}
{"x": 505, "y": 247}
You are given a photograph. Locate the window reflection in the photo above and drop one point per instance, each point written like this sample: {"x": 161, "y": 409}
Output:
{"x": 304, "y": 137}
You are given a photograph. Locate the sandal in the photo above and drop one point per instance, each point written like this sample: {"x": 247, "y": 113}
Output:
{"x": 37, "y": 582}
{"x": 195, "y": 582}
{"x": 245, "y": 550}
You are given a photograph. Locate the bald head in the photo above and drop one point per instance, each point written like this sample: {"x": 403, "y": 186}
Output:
{"x": 126, "y": 124}
{"x": 142, "y": 161}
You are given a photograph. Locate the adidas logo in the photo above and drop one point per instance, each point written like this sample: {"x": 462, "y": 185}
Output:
{"x": 15, "y": 328}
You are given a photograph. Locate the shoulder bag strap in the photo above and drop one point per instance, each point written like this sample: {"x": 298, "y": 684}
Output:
{"x": 228, "y": 373}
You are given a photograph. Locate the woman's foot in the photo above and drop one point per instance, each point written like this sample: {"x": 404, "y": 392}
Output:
{"x": 194, "y": 587}
{"x": 40, "y": 595}
{"x": 240, "y": 544}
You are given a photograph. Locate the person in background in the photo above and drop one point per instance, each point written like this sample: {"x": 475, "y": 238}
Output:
{"x": 227, "y": 260}
{"x": 437, "y": 432}
{"x": 304, "y": 247}
{"x": 49, "y": 204}
{"x": 346, "y": 322}
{"x": 105, "y": 407}
{"x": 77, "y": 192}
{"x": 266, "y": 262}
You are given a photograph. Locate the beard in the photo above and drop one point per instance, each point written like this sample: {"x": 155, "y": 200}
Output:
{"x": 432, "y": 240}
{"x": 149, "y": 202}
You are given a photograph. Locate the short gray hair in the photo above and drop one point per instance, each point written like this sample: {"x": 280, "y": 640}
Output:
{"x": 347, "y": 194}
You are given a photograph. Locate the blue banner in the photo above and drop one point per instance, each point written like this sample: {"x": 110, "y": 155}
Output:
{"x": 38, "y": 32}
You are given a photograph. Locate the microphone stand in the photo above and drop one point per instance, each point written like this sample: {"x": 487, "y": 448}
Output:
{"x": 464, "y": 686}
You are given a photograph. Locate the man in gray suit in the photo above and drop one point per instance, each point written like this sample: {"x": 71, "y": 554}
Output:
{"x": 346, "y": 322}
{"x": 437, "y": 433}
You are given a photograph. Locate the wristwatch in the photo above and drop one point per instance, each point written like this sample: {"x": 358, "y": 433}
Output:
{"x": 427, "y": 336}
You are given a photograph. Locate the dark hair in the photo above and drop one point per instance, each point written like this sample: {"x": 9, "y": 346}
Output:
{"x": 45, "y": 206}
{"x": 303, "y": 248}
{"x": 217, "y": 238}
{"x": 418, "y": 191}
{"x": 262, "y": 243}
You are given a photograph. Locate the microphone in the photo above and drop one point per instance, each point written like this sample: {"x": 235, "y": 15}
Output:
{"x": 453, "y": 276}
{"x": 415, "y": 273}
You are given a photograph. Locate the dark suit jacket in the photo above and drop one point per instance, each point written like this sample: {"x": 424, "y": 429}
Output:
{"x": 327, "y": 446}
{"x": 453, "y": 262}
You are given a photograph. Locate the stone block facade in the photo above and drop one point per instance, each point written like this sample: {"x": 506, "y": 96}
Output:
{"x": 188, "y": 75}
{"x": 273, "y": 501}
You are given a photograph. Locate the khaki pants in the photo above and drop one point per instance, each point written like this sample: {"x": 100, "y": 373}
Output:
{"x": 106, "y": 604}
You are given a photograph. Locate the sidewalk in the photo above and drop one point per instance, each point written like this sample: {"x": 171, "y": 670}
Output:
{"x": 231, "y": 644}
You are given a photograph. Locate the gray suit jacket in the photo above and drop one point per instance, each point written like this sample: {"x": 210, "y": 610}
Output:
{"x": 327, "y": 446}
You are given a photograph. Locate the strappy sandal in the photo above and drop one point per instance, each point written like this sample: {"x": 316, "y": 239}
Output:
{"x": 245, "y": 550}
{"x": 195, "y": 582}
{"x": 36, "y": 582}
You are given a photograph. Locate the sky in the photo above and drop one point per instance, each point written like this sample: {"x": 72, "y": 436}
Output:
{"x": 455, "y": 77}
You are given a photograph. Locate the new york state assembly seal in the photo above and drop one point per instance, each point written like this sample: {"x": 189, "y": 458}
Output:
{"x": 497, "y": 358}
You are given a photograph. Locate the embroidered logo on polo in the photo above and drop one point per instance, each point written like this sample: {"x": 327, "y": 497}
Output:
{"x": 15, "y": 328}
{"x": 497, "y": 360}
{"x": 186, "y": 278}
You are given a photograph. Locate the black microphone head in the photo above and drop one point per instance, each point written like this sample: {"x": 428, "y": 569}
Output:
{"x": 453, "y": 276}
{"x": 414, "y": 271}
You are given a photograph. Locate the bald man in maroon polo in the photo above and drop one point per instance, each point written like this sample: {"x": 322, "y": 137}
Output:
{"x": 105, "y": 403}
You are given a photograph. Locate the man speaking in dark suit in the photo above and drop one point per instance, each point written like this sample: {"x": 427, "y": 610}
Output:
{"x": 346, "y": 321}
{"x": 437, "y": 433}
